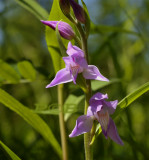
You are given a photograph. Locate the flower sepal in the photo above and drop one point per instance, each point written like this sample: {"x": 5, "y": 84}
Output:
{"x": 60, "y": 42}
{"x": 65, "y": 6}
{"x": 81, "y": 82}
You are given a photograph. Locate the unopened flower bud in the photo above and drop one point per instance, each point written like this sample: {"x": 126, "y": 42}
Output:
{"x": 64, "y": 28}
{"x": 78, "y": 11}
{"x": 65, "y": 6}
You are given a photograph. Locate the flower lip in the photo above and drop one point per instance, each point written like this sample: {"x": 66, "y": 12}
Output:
{"x": 103, "y": 118}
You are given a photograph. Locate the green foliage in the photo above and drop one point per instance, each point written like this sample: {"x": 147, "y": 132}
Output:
{"x": 8, "y": 73}
{"x": 30, "y": 117}
{"x": 96, "y": 85}
{"x": 125, "y": 102}
{"x": 106, "y": 29}
{"x": 26, "y": 69}
{"x": 73, "y": 104}
{"x": 9, "y": 152}
{"x": 33, "y": 7}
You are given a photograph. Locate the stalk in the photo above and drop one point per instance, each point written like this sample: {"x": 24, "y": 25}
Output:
{"x": 87, "y": 136}
{"x": 62, "y": 123}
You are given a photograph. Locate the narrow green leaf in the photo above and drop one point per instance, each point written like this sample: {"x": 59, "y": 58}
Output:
{"x": 125, "y": 102}
{"x": 105, "y": 29}
{"x": 96, "y": 85}
{"x": 27, "y": 70}
{"x": 9, "y": 152}
{"x": 55, "y": 15}
{"x": 49, "y": 111}
{"x": 30, "y": 117}
{"x": 8, "y": 73}
{"x": 34, "y": 8}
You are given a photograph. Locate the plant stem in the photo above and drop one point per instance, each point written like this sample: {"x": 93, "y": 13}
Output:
{"x": 87, "y": 136}
{"x": 61, "y": 123}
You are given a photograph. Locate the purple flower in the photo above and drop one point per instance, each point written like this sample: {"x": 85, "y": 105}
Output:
{"x": 78, "y": 11}
{"x": 99, "y": 110}
{"x": 64, "y": 28}
{"x": 75, "y": 64}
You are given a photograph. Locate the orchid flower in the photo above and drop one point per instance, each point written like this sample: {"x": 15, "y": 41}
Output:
{"x": 64, "y": 28}
{"x": 76, "y": 63}
{"x": 99, "y": 110}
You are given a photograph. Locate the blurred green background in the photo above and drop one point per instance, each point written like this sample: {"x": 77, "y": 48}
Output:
{"x": 118, "y": 46}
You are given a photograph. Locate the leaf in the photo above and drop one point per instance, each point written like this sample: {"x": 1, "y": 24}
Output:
{"x": 30, "y": 117}
{"x": 55, "y": 15}
{"x": 26, "y": 69}
{"x": 105, "y": 29}
{"x": 9, "y": 152}
{"x": 71, "y": 105}
{"x": 34, "y": 8}
{"x": 49, "y": 111}
{"x": 8, "y": 73}
{"x": 125, "y": 102}
{"x": 96, "y": 85}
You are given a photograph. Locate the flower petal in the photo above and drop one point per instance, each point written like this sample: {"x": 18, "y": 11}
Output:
{"x": 92, "y": 110}
{"x": 112, "y": 133}
{"x": 83, "y": 124}
{"x": 62, "y": 76}
{"x": 74, "y": 50}
{"x": 67, "y": 61}
{"x": 80, "y": 60}
{"x": 93, "y": 73}
{"x": 110, "y": 106}
{"x": 96, "y": 98}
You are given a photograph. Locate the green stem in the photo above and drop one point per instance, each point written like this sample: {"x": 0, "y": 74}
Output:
{"x": 61, "y": 123}
{"x": 87, "y": 136}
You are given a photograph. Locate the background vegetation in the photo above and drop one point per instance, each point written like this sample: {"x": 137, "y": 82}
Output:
{"x": 118, "y": 45}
